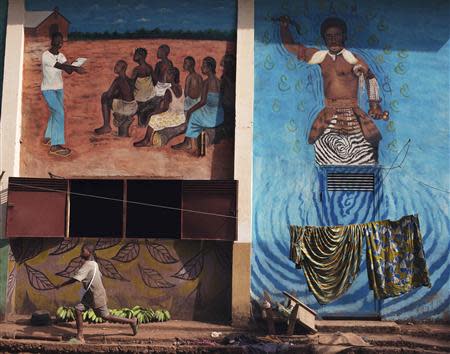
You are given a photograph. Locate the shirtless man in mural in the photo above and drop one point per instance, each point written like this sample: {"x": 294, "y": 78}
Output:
{"x": 119, "y": 98}
{"x": 192, "y": 85}
{"x": 163, "y": 64}
{"x": 95, "y": 295}
{"x": 342, "y": 121}
{"x": 159, "y": 80}
{"x": 143, "y": 78}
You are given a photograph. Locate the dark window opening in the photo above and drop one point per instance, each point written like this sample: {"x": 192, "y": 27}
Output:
{"x": 96, "y": 208}
{"x": 149, "y": 208}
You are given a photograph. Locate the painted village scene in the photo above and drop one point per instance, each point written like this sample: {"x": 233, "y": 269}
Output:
{"x": 116, "y": 90}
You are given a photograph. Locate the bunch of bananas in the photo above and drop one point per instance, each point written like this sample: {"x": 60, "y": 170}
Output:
{"x": 91, "y": 317}
{"x": 65, "y": 313}
{"x": 143, "y": 315}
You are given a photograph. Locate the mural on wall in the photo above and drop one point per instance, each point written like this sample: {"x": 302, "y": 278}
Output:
{"x": 342, "y": 133}
{"x": 192, "y": 280}
{"x": 410, "y": 64}
{"x": 135, "y": 90}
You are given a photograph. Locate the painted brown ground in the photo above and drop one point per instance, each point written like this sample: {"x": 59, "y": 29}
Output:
{"x": 109, "y": 155}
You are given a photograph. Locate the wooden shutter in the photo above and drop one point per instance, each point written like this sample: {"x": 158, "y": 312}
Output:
{"x": 36, "y": 207}
{"x": 209, "y": 210}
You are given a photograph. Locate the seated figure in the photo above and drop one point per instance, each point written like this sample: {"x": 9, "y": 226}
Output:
{"x": 146, "y": 109}
{"x": 119, "y": 99}
{"x": 208, "y": 113}
{"x": 142, "y": 76}
{"x": 170, "y": 113}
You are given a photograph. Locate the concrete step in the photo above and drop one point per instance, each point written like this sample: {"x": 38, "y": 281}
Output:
{"x": 406, "y": 341}
{"x": 357, "y": 326}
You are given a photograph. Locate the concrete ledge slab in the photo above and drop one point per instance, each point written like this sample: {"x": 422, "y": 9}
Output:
{"x": 358, "y": 326}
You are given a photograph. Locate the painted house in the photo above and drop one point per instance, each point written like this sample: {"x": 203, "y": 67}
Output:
{"x": 310, "y": 137}
{"x": 44, "y": 23}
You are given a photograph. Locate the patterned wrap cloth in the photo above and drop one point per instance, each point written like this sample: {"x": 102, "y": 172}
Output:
{"x": 330, "y": 257}
{"x": 395, "y": 258}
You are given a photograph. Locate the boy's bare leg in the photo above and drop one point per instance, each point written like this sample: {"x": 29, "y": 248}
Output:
{"x": 131, "y": 321}
{"x": 79, "y": 321}
{"x": 106, "y": 113}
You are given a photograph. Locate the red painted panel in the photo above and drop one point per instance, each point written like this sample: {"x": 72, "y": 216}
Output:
{"x": 203, "y": 199}
{"x": 36, "y": 214}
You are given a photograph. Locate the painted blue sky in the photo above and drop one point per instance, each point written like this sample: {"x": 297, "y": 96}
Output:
{"x": 130, "y": 15}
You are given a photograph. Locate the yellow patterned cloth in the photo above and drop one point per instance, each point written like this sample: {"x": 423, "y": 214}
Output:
{"x": 395, "y": 258}
{"x": 173, "y": 117}
{"x": 330, "y": 257}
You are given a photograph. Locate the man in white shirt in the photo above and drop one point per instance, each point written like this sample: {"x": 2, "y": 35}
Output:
{"x": 95, "y": 295}
{"x": 53, "y": 63}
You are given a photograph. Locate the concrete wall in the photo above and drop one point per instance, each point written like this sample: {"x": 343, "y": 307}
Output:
{"x": 11, "y": 129}
{"x": 407, "y": 45}
{"x": 10, "y": 119}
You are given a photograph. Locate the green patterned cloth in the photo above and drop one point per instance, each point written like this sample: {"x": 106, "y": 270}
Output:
{"x": 330, "y": 257}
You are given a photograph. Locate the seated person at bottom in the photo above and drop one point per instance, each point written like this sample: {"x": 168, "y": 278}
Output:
{"x": 170, "y": 113}
{"x": 119, "y": 98}
{"x": 208, "y": 113}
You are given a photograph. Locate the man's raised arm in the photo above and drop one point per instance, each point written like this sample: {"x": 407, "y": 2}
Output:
{"x": 286, "y": 36}
{"x": 301, "y": 52}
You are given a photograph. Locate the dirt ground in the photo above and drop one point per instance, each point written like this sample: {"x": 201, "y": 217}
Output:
{"x": 199, "y": 337}
{"x": 110, "y": 155}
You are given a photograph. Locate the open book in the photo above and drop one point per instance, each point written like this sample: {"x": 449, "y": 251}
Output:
{"x": 79, "y": 62}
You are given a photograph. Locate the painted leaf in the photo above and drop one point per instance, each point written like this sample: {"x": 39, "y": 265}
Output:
{"x": 38, "y": 280}
{"x": 25, "y": 249}
{"x": 108, "y": 269}
{"x": 153, "y": 279}
{"x": 104, "y": 243}
{"x": 128, "y": 252}
{"x": 65, "y": 246}
{"x": 72, "y": 268}
{"x": 12, "y": 278}
{"x": 191, "y": 269}
{"x": 160, "y": 252}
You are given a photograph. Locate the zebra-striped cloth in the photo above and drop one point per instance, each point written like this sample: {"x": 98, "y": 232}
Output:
{"x": 343, "y": 142}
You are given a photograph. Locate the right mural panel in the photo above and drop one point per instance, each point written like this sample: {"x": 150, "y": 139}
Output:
{"x": 351, "y": 88}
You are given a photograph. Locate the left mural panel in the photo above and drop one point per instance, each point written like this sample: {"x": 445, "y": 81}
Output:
{"x": 113, "y": 88}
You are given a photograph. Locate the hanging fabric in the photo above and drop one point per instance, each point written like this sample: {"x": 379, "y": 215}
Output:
{"x": 395, "y": 258}
{"x": 329, "y": 256}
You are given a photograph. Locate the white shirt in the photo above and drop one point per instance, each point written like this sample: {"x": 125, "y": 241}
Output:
{"x": 51, "y": 76}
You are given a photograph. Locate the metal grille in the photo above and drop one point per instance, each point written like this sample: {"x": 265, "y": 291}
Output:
{"x": 37, "y": 184}
{"x": 351, "y": 182}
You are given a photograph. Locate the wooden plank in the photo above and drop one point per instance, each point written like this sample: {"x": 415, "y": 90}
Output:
{"x": 297, "y": 301}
